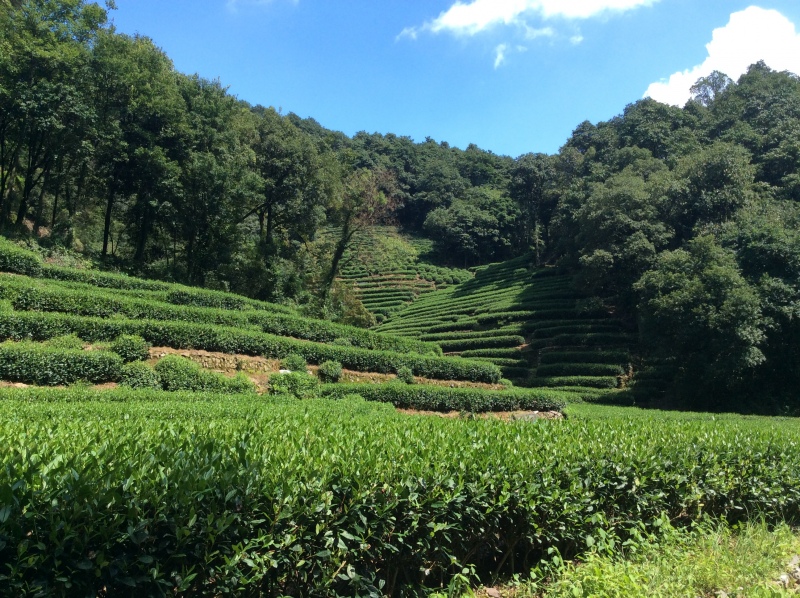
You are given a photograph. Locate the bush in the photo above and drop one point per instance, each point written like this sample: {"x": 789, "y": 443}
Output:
{"x": 443, "y": 398}
{"x": 66, "y": 341}
{"x": 179, "y": 373}
{"x": 330, "y": 371}
{"x": 14, "y": 258}
{"x": 294, "y": 362}
{"x": 34, "y": 363}
{"x": 297, "y": 384}
{"x": 131, "y": 347}
{"x": 182, "y": 335}
{"x": 138, "y": 374}
{"x": 405, "y": 374}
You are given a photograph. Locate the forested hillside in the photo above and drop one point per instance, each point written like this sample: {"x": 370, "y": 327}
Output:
{"x": 681, "y": 222}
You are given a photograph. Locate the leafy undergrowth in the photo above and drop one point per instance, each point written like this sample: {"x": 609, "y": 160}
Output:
{"x": 712, "y": 559}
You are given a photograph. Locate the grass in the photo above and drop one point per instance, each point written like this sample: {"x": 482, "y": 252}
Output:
{"x": 713, "y": 559}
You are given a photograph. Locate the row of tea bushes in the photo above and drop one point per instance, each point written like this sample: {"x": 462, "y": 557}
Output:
{"x": 188, "y": 335}
{"x": 121, "y": 493}
{"x": 32, "y": 295}
{"x": 444, "y": 399}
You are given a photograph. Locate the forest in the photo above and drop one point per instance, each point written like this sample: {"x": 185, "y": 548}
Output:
{"x": 681, "y": 221}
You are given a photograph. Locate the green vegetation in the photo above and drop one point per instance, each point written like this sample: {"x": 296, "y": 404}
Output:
{"x": 497, "y": 317}
{"x": 177, "y": 373}
{"x": 745, "y": 560}
{"x": 34, "y": 363}
{"x": 256, "y": 488}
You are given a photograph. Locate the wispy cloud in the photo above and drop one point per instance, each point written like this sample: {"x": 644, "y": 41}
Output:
{"x": 751, "y": 35}
{"x": 500, "y": 55}
{"x": 479, "y": 15}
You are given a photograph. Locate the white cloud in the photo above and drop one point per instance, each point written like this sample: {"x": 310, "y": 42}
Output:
{"x": 500, "y": 55}
{"x": 476, "y": 16}
{"x": 576, "y": 39}
{"x": 751, "y": 35}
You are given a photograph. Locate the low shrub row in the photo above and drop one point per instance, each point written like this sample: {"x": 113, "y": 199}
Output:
{"x": 579, "y": 369}
{"x": 178, "y": 373}
{"x": 43, "y": 297}
{"x": 34, "y": 363}
{"x": 444, "y": 399}
{"x": 584, "y": 381}
{"x": 14, "y": 258}
{"x": 187, "y": 335}
{"x": 485, "y": 343}
{"x": 498, "y": 352}
{"x": 588, "y": 340}
{"x": 560, "y": 356}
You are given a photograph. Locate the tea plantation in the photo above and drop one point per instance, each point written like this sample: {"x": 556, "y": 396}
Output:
{"x": 529, "y": 322}
{"x": 130, "y": 469}
{"x": 388, "y": 270}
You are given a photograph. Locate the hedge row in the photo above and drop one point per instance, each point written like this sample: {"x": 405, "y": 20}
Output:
{"x": 14, "y": 258}
{"x": 440, "y": 398}
{"x": 33, "y": 363}
{"x": 579, "y": 369}
{"x": 560, "y": 356}
{"x": 507, "y": 352}
{"x": 99, "y": 304}
{"x": 590, "y": 339}
{"x": 186, "y": 335}
{"x": 466, "y": 343}
{"x": 586, "y": 381}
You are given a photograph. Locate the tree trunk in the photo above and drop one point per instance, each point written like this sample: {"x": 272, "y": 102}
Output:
{"x": 107, "y": 223}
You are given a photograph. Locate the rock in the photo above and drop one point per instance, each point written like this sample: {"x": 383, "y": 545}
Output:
{"x": 784, "y": 580}
{"x": 493, "y": 593}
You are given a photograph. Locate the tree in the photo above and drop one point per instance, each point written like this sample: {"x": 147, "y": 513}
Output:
{"x": 697, "y": 310}
{"x": 706, "y": 89}
{"x": 531, "y": 187}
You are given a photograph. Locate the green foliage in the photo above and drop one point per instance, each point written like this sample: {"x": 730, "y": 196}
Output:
{"x": 131, "y": 347}
{"x": 698, "y": 309}
{"x": 139, "y": 375}
{"x": 330, "y": 371}
{"x": 14, "y": 258}
{"x": 298, "y": 384}
{"x": 184, "y": 335}
{"x": 294, "y": 362}
{"x": 405, "y": 375}
{"x": 442, "y": 398}
{"x": 26, "y": 294}
{"x": 179, "y": 373}
{"x": 34, "y": 363}
{"x": 68, "y": 341}
{"x": 213, "y": 469}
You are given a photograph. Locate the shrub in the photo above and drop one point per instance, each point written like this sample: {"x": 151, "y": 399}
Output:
{"x": 181, "y": 335}
{"x": 442, "y": 398}
{"x": 138, "y": 374}
{"x": 179, "y": 373}
{"x": 14, "y": 258}
{"x": 66, "y": 341}
{"x": 131, "y": 347}
{"x": 294, "y": 362}
{"x": 405, "y": 374}
{"x": 506, "y": 382}
{"x": 330, "y": 371}
{"x": 297, "y": 384}
{"x": 34, "y": 363}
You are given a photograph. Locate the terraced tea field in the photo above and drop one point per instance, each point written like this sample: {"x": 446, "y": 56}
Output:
{"x": 387, "y": 270}
{"x": 529, "y": 322}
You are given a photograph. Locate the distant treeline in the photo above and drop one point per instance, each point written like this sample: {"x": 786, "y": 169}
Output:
{"x": 684, "y": 220}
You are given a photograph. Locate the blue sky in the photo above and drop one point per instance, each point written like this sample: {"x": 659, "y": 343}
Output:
{"x": 512, "y": 76}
